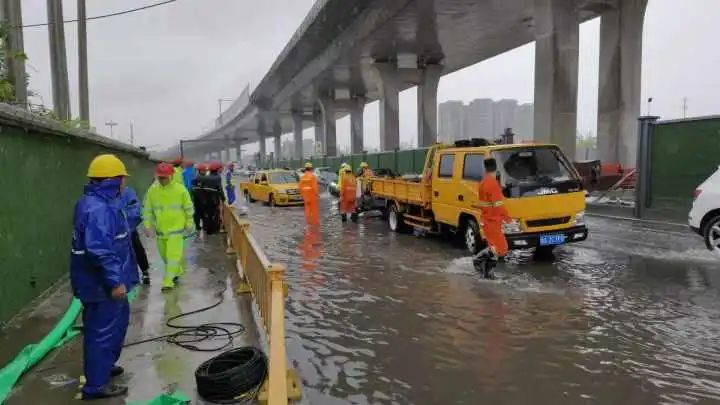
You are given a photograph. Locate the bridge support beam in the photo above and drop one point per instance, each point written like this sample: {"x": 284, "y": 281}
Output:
{"x": 261, "y": 150}
{"x": 427, "y": 105}
{"x": 620, "y": 75}
{"x": 298, "y": 136}
{"x": 389, "y": 87}
{"x": 327, "y": 107}
{"x": 556, "y": 73}
{"x": 357, "y": 133}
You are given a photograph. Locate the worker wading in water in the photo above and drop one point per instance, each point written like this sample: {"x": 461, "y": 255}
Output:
{"x": 310, "y": 195}
{"x": 168, "y": 210}
{"x": 493, "y": 215}
{"x": 102, "y": 272}
{"x": 348, "y": 195}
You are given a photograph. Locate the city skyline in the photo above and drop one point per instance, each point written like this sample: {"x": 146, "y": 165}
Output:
{"x": 484, "y": 118}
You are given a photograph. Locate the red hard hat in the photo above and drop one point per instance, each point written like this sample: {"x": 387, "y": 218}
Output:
{"x": 177, "y": 161}
{"x": 188, "y": 163}
{"x": 215, "y": 165}
{"x": 164, "y": 170}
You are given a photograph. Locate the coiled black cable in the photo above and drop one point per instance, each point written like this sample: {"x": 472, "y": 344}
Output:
{"x": 232, "y": 376}
{"x": 189, "y": 335}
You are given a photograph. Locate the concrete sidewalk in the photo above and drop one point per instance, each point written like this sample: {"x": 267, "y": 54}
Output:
{"x": 151, "y": 368}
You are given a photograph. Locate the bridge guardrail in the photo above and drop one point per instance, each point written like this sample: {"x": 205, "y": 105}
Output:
{"x": 265, "y": 281}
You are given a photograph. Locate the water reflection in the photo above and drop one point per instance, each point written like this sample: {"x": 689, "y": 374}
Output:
{"x": 376, "y": 317}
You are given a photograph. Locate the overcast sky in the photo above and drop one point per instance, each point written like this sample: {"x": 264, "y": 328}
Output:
{"x": 164, "y": 68}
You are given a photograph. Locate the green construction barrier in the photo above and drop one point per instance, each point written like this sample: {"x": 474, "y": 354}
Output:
{"x": 32, "y": 354}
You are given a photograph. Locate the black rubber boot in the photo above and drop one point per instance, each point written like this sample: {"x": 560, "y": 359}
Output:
{"x": 116, "y": 371}
{"x": 485, "y": 262}
{"x": 146, "y": 279}
{"x": 109, "y": 392}
{"x": 343, "y": 217}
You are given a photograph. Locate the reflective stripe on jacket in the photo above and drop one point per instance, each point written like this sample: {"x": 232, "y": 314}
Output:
{"x": 168, "y": 208}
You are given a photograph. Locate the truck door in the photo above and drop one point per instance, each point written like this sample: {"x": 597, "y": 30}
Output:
{"x": 473, "y": 170}
{"x": 444, "y": 189}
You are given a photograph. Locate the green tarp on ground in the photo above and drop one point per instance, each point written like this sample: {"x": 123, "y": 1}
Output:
{"x": 176, "y": 398}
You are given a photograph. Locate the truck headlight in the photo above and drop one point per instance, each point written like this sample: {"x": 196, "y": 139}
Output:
{"x": 512, "y": 227}
{"x": 580, "y": 218}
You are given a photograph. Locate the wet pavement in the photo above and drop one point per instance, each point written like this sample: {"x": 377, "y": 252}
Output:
{"x": 630, "y": 316}
{"x": 151, "y": 368}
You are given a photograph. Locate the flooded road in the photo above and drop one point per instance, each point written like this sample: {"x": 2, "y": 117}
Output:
{"x": 630, "y": 316}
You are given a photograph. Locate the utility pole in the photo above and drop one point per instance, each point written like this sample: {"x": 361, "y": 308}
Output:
{"x": 58, "y": 60}
{"x": 111, "y": 124}
{"x": 15, "y": 49}
{"x": 84, "y": 91}
{"x": 132, "y": 134}
{"x": 685, "y": 107}
{"x": 220, "y": 101}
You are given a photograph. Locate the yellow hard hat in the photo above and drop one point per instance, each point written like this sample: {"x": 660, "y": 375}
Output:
{"x": 106, "y": 166}
{"x": 364, "y": 164}
{"x": 308, "y": 165}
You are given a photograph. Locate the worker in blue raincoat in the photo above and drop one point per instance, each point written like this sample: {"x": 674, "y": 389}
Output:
{"x": 189, "y": 174}
{"x": 133, "y": 211}
{"x": 229, "y": 186}
{"x": 102, "y": 272}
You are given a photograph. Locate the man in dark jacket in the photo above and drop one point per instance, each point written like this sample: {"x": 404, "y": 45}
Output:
{"x": 207, "y": 195}
{"x": 133, "y": 211}
{"x": 102, "y": 272}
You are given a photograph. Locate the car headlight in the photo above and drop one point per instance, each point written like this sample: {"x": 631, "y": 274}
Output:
{"x": 580, "y": 218}
{"x": 333, "y": 184}
{"x": 512, "y": 227}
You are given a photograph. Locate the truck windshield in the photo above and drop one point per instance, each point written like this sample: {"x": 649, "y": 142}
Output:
{"x": 282, "y": 178}
{"x": 535, "y": 171}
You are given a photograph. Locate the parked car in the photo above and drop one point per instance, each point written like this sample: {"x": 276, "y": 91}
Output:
{"x": 704, "y": 217}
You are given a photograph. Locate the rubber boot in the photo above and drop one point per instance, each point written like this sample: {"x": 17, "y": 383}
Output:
{"x": 109, "y": 392}
{"x": 485, "y": 262}
{"x": 343, "y": 217}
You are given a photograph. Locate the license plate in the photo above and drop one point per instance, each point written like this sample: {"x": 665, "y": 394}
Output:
{"x": 549, "y": 240}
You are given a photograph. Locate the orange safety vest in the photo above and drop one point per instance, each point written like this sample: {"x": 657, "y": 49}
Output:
{"x": 308, "y": 187}
{"x": 349, "y": 187}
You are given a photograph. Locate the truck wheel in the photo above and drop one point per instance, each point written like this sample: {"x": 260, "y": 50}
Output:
{"x": 473, "y": 241}
{"x": 395, "y": 220}
{"x": 542, "y": 253}
{"x": 248, "y": 198}
{"x": 712, "y": 234}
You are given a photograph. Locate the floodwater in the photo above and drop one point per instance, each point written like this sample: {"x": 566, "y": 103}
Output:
{"x": 630, "y": 316}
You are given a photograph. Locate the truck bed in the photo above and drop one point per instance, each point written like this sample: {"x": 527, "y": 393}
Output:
{"x": 403, "y": 191}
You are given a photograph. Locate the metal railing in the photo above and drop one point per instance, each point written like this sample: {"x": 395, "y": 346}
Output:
{"x": 265, "y": 280}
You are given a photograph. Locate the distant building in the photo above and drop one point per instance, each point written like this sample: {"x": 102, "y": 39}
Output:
{"x": 451, "y": 121}
{"x": 504, "y": 115}
{"x": 523, "y": 123}
{"x": 478, "y": 119}
{"x": 308, "y": 148}
{"x": 287, "y": 150}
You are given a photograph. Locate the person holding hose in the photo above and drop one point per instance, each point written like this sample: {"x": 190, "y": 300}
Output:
{"x": 348, "y": 194}
{"x": 102, "y": 272}
{"x": 168, "y": 212}
{"x": 310, "y": 195}
{"x": 493, "y": 215}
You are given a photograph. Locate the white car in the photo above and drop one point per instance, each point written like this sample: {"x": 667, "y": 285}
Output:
{"x": 704, "y": 217}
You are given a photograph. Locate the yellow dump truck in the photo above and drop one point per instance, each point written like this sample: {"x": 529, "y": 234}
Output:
{"x": 543, "y": 191}
{"x": 274, "y": 187}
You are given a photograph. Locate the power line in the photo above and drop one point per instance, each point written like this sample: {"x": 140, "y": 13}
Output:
{"x": 98, "y": 17}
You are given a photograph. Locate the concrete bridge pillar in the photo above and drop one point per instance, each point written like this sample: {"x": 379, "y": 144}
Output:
{"x": 261, "y": 151}
{"x": 389, "y": 88}
{"x": 619, "y": 101}
{"x": 298, "y": 135}
{"x": 427, "y": 105}
{"x": 556, "y": 73}
{"x": 277, "y": 133}
{"x": 327, "y": 107}
{"x": 319, "y": 133}
{"x": 357, "y": 133}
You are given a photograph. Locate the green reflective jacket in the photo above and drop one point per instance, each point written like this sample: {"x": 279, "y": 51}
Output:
{"x": 168, "y": 208}
{"x": 178, "y": 175}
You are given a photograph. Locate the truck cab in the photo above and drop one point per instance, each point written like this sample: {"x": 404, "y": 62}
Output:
{"x": 275, "y": 187}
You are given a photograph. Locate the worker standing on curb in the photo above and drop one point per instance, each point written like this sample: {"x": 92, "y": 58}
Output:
{"x": 169, "y": 210}
{"x": 102, "y": 272}
{"x": 229, "y": 186}
{"x": 348, "y": 195}
{"x": 310, "y": 194}
{"x": 493, "y": 215}
{"x": 133, "y": 212}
